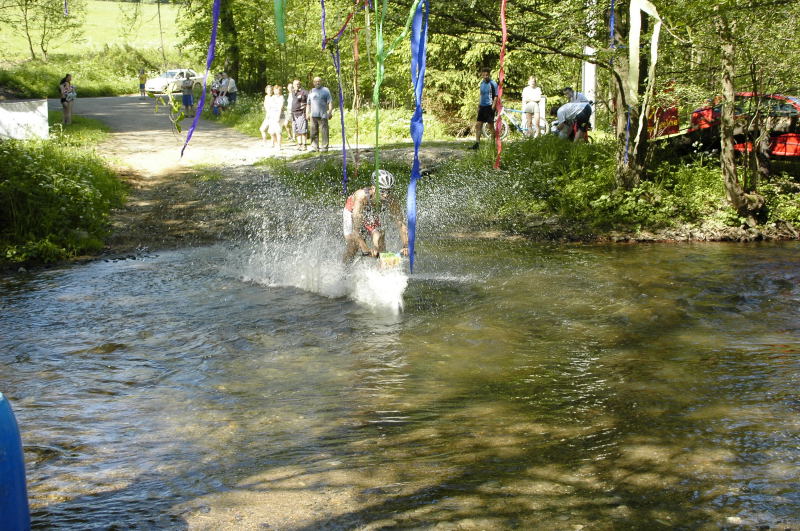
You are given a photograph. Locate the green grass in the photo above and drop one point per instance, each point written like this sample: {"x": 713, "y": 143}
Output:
{"x": 56, "y": 194}
{"x": 246, "y": 117}
{"x": 550, "y": 179}
{"x": 107, "y": 24}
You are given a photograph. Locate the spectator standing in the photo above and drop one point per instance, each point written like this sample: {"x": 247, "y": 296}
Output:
{"x": 532, "y": 107}
{"x": 228, "y": 88}
{"x": 186, "y": 95}
{"x": 68, "y": 95}
{"x": 275, "y": 114}
{"x": 288, "y": 122}
{"x": 265, "y": 122}
{"x": 486, "y": 105}
{"x": 299, "y": 115}
{"x": 320, "y": 109}
{"x": 216, "y": 87}
{"x": 142, "y": 81}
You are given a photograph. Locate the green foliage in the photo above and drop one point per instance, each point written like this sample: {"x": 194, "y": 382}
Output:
{"x": 323, "y": 179}
{"x": 782, "y": 195}
{"x": 55, "y": 195}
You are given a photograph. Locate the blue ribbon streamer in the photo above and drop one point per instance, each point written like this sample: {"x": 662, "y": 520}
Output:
{"x": 611, "y": 23}
{"x": 419, "y": 37}
{"x": 209, "y": 59}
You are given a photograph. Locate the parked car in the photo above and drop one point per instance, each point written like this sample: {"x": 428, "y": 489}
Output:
{"x": 169, "y": 81}
{"x": 783, "y": 117}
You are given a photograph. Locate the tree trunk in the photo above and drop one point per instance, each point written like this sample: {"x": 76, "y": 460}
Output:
{"x": 26, "y": 24}
{"x": 746, "y": 204}
{"x": 228, "y": 26}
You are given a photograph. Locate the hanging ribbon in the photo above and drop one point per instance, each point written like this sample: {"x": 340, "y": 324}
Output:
{"x": 280, "y": 15}
{"x": 636, "y": 7}
{"x": 419, "y": 37}
{"x": 209, "y": 59}
{"x": 381, "y": 54}
{"x": 337, "y": 63}
{"x": 498, "y": 125}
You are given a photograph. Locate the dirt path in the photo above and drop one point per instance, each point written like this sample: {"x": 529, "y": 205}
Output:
{"x": 171, "y": 203}
{"x": 144, "y": 138}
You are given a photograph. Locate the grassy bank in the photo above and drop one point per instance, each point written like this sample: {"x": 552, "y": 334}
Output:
{"x": 55, "y": 195}
{"x": 549, "y": 188}
{"x": 112, "y": 71}
{"x": 133, "y": 24}
{"x": 119, "y": 38}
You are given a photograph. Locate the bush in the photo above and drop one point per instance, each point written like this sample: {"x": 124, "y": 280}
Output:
{"x": 55, "y": 197}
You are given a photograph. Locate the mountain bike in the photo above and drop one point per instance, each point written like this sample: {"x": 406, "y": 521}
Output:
{"x": 512, "y": 120}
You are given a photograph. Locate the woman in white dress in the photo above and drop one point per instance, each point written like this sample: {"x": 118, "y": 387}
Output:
{"x": 532, "y": 103}
{"x": 274, "y": 113}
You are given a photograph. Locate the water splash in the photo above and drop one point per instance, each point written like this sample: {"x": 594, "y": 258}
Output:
{"x": 298, "y": 243}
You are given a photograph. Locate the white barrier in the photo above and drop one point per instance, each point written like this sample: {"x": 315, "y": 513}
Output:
{"x": 23, "y": 119}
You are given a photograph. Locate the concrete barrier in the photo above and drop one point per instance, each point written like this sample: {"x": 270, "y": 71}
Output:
{"x": 23, "y": 119}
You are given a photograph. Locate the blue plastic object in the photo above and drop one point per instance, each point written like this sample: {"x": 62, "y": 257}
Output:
{"x": 14, "y": 513}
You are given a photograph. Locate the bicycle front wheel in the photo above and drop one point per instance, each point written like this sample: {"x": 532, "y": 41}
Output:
{"x": 487, "y": 129}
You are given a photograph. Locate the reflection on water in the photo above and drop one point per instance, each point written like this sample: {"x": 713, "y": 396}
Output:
{"x": 524, "y": 386}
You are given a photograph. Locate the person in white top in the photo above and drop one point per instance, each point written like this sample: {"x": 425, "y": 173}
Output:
{"x": 532, "y": 107}
{"x": 274, "y": 114}
{"x": 267, "y": 107}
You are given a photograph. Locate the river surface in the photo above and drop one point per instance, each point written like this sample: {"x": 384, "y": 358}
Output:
{"x": 522, "y": 386}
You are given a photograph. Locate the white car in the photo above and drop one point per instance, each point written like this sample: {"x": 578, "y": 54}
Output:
{"x": 170, "y": 81}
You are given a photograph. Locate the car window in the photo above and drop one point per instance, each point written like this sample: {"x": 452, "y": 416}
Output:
{"x": 170, "y": 73}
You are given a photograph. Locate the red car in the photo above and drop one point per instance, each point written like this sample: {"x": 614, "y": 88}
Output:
{"x": 783, "y": 114}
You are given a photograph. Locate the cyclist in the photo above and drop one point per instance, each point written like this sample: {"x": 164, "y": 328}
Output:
{"x": 360, "y": 217}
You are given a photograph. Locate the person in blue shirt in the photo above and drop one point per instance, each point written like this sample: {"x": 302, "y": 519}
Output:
{"x": 486, "y": 106}
{"x": 320, "y": 109}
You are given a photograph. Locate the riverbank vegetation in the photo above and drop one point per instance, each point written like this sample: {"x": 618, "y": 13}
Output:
{"x": 549, "y": 188}
{"x": 56, "y": 194}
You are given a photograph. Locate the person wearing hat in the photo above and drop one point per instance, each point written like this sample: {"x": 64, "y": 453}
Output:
{"x": 361, "y": 218}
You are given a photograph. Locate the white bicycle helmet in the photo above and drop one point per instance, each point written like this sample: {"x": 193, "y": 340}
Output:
{"x": 385, "y": 179}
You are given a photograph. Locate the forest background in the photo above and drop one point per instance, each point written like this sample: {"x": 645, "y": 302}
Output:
{"x": 707, "y": 51}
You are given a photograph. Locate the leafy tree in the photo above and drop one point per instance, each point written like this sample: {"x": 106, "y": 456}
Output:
{"x": 45, "y": 22}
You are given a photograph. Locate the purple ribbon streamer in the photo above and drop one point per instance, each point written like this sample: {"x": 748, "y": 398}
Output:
{"x": 337, "y": 63}
{"x": 419, "y": 37}
{"x": 209, "y": 59}
{"x": 324, "y": 36}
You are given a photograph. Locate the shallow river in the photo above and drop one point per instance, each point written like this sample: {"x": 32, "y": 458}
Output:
{"x": 523, "y": 386}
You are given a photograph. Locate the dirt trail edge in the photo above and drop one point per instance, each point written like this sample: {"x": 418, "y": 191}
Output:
{"x": 167, "y": 204}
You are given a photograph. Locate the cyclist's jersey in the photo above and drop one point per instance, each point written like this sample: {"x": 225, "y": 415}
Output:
{"x": 371, "y": 219}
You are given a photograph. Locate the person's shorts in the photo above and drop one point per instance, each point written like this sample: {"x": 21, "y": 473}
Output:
{"x": 583, "y": 117}
{"x": 187, "y": 99}
{"x": 141, "y": 86}
{"x": 232, "y": 97}
{"x": 485, "y": 114}
{"x": 531, "y": 107}
{"x": 300, "y": 124}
